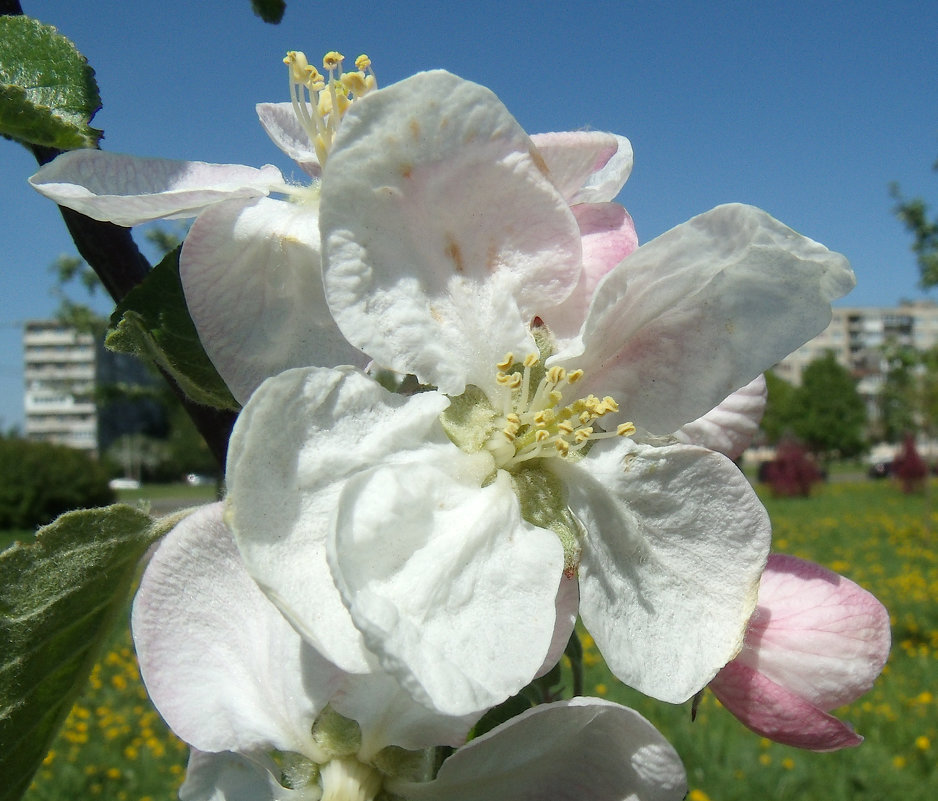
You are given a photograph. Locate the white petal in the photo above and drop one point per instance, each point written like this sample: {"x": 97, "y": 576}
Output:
{"x": 573, "y": 750}
{"x": 730, "y": 427}
{"x": 567, "y": 609}
{"x": 442, "y": 238}
{"x": 702, "y": 310}
{"x": 280, "y": 122}
{"x": 253, "y": 283}
{"x": 232, "y": 777}
{"x": 296, "y": 442}
{"x": 128, "y": 190}
{"x": 388, "y": 715}
{"x": 459, "y": 603}
{"x": 222, "y": 665}
{"x": 572, "y": 157}
{"x": 676, "y": 540}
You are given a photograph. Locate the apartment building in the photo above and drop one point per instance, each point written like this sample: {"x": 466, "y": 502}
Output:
{"x": 60, "y": 379}
{"x": 64, "y": 372}
{"x": 856, "y": 336}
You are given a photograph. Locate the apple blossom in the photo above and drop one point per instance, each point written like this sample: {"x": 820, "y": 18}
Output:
{"x": 816, "y": 641}
{"x": 269, "y": 718}
{"x": 444, "y": 521}
{"x": 250, "y": 264}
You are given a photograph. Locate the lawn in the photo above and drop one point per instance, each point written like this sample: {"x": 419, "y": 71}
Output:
{"x": 113, "y": 746}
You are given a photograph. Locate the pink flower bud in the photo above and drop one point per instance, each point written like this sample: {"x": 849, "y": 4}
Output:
{"x": 815, "y": 642}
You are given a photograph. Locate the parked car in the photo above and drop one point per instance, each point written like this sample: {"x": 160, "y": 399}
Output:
{"x": 199, "y": 480}
{"x": 880, "y": 470}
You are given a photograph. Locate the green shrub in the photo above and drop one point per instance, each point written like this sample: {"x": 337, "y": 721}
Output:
{"x": 39, "y": 481}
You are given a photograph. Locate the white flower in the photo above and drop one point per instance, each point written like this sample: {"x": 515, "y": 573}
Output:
{"x": 250, "y": 264}
{"x": 433, "y": 531}
{"x": 259, "y": 706}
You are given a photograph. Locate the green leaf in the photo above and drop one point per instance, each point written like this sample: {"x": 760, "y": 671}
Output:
{"x": 58, "y": 597}
{"x": 48, "y": 94}
{"x": 269, "y": 10}
{"x": 153, "y": 322}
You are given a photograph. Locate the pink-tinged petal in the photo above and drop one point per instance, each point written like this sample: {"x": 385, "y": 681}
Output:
{"x": 816, "y": 633}
{"x": 573, "y": 156}
{"x": 252, "y": 277}
{"x": 585, "y": 748}
{"x": 280, "y": 122}
{"x": 442, "y": 237}
{"x": 675, "y": 542}
{"x": 459, "y": 603}
{"x": 701, "y": 311}
{"x": 232, "y": 777}
{"x": 300, "y": 437}
{"x": 128, "y": 190}
{"x": 606, "y": 183}
{"x": 777, "y": 713}
{"x": 608, "y": 236}
{"x": 221, "y": 664}
{"x": 388, "y": 715}
{"x": 731, "y": 426}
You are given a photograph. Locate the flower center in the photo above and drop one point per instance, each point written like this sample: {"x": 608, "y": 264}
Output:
{"x": 535, "y": 422}
{"x": 319, "y": 102}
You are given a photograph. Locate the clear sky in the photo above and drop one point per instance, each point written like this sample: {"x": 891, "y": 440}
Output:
{"x": 806, "y": 109}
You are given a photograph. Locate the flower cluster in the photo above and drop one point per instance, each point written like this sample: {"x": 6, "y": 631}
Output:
{"x": 474, "y": 411}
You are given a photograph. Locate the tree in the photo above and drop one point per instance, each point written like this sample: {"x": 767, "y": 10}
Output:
{"x": 780, "y": 414}
{"x": 830, "y": 416}
{"x": 915, "y": 214}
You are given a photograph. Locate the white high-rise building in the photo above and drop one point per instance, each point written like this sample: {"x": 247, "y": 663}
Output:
{"x": 856, "y": 336}
{"x": 60, "y": 381}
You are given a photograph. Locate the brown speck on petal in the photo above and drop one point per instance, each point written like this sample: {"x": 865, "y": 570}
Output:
{"x": 453, "y": 251}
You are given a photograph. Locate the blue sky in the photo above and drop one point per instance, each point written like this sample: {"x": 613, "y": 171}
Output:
{"x": 806, "y": 109}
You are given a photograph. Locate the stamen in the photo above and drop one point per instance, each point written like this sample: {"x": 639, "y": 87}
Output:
{"x": 320, "y": 104}
{"x": 536, "y": 424}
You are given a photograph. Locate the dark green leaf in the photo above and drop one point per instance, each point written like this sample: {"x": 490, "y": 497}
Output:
{"x": 58, "y": 598}
{"x": 269, "y": 10}
{"x": 153, "y": 322}
{"x": 48, "y": 94}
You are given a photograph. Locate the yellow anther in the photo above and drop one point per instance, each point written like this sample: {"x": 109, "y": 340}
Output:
{"x": 610, "y": 404}
{"x": 585, "y": 417}
{"x": 574, "y": 376}
{"x": 541, "y": 435}
{"x": 501, "y": 378}
{"x": 562, "y": 447}
{"x": 514, "y": 380}
{"x": 506, "y": 363}
{"x": 545, "y": 417}
{"x": 513, "y": 420}
{"x": 625, "y": 429}
{"x": 583, "y": 434}
{"x": 556, "y": 374}
{"x": 332, "y": 60}
{"x": 555, "y": 396}
{"x": 362, "y": 62}
{"x": 509, "y": 435}
{"x": 354, "y": 82}
{"x": 566, "y": 426}
{"x": 531, "y": 359}
{"x": 296, "y": 61}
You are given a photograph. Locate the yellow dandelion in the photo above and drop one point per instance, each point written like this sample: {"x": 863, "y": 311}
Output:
{"x": 788, "y": 763}
{"x": 113, "y": 773}
{"x": 601, "y": 689}
{"x": 898, "y": 762}
{"x": 765, "y": 759}
{"x": 698, "y": 795}
{"x": 922, "y": 743}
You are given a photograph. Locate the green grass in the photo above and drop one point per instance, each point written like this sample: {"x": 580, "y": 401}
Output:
{"x": 114, "y": 747}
